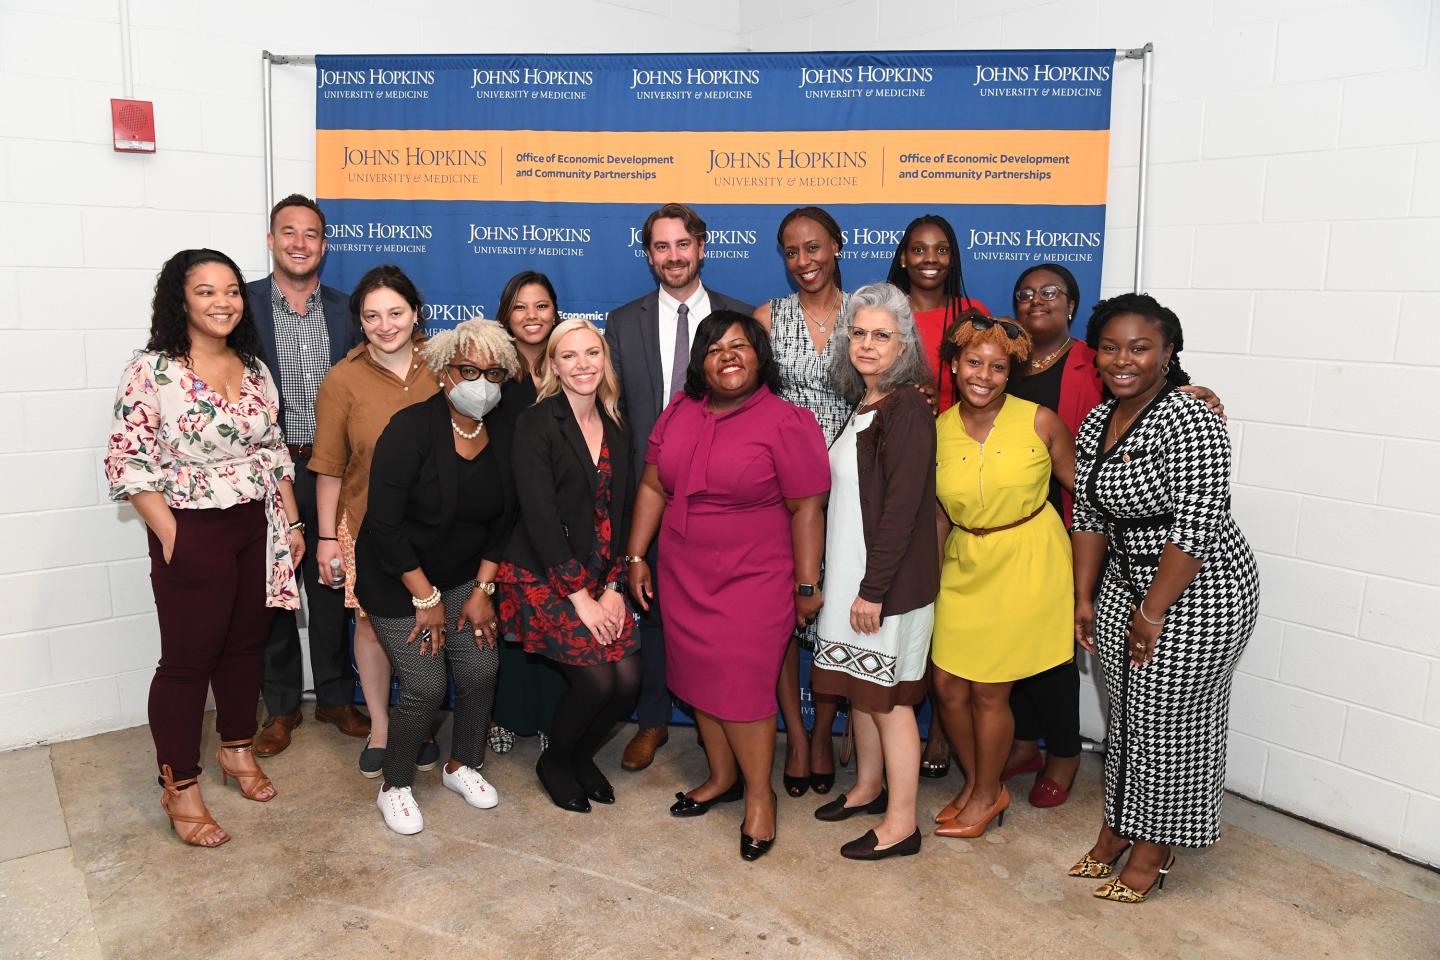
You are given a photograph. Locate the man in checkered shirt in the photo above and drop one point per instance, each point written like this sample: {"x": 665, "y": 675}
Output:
{"x": 305, "y": 327}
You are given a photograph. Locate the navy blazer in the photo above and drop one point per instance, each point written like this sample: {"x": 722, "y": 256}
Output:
{"x": 633, "y": 332}
{"x": 340, "y": 323}
{"x": 556, "y": 482}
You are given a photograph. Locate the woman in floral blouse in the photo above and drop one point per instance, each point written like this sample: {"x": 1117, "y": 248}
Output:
{"x": 196, "y": 448}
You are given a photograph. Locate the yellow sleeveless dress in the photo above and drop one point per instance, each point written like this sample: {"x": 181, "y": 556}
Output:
{"x": 1006, "y": 608}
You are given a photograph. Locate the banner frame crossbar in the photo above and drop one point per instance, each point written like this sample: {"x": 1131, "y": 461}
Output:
{"x": 1145, "y": 54}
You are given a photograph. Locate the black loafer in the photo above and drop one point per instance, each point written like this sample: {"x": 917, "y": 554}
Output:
{"x": 594, "y": 783}
{"x": 868, "y": 847}
{"x": 576, "y": 803}
{"x": 835, "y": 810}
{"x": 686, "y": 807}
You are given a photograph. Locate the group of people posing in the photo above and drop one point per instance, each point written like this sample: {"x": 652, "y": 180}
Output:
{"x": 674, "y": 506}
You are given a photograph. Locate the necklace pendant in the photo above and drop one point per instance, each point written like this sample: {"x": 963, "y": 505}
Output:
{"x": 1124, "y": 458}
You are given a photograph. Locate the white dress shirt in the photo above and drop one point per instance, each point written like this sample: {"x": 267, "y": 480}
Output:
{"x": 699, "y": 304}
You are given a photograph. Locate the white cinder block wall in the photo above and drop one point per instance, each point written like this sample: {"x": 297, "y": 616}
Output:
{"x": 1294, "y": 224}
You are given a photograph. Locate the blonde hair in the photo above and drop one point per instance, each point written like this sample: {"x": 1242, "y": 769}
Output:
{"x": 486, "y": 337}
{"x": 964, "y": 334}
{"x": 609, "y": 392}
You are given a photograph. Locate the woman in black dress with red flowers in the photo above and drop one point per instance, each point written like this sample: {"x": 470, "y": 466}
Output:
{"x": 562, "y": 588}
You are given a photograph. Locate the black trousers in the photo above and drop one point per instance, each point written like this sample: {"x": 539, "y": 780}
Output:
{"x": 284, "y": 678}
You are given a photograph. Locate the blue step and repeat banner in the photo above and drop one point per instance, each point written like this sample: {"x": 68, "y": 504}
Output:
{"x": 465, "y": 170}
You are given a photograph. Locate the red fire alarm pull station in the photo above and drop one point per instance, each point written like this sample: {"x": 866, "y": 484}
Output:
{"x": 134, "y": 122}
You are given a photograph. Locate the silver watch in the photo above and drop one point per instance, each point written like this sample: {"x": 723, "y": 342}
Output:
{"x": 488, "y": 587}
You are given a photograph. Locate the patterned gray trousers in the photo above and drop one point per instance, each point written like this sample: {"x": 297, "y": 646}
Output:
{"x": 422, "y": 679}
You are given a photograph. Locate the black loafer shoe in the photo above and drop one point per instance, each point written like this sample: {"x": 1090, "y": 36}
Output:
{"x": 752, "y": 849}
{"x": 835, "y": 810}
{"x": 868, "y": 847}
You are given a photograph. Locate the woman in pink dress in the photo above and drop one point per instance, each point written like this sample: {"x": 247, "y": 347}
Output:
{"x": 735, "y": 483}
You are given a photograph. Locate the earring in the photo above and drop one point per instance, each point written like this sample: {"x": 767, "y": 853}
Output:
{"x": 954, "y": 368}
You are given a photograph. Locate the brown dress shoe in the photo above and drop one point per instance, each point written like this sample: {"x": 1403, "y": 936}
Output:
{"x": 347, "y": 718}
{"x": 640, "y": 751}
{"x": 275, "y": 735}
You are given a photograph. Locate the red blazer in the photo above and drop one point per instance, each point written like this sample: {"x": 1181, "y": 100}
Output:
{"x": 1080, "y": 392}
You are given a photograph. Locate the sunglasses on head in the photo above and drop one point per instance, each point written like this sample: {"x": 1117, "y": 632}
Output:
{"x": 1012, "y": 330}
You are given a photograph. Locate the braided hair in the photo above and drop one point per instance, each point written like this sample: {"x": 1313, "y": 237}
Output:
{"x": 954, "y": 277}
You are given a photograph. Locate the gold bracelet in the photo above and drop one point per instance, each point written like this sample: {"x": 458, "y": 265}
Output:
{"x": 1154, "y": 623}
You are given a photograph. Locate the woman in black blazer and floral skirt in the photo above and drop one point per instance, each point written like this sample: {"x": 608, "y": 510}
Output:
{"x": 563, "y": 593}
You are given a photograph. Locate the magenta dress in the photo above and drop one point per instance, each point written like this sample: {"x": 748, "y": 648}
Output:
{"x": 727, "y": 567}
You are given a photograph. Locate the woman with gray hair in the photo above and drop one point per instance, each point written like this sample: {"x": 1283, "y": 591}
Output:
{"x": 442, "y": 505}
{"x": 882, "y": 556}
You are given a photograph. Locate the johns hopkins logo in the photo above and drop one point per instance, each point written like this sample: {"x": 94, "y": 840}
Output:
{"x": 536, "y": 82}
{"x": 694, "y": 83}
{"x": 376, "y": 83}
{"x": 1035, "y": 245}
{"x": 449, "y": 314}
{"x": 868, "y": 242}
{"x": 376, "y": 236}
{"x": 1041, "y": 80}
{"x": 865, "y": 80}
{"x": 720, "y": 243}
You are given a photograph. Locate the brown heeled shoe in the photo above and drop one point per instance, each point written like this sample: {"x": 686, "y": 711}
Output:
{"x": 196, "y": 834}
{"x": 950, "y": 829}
{"x": 252, "y": 783}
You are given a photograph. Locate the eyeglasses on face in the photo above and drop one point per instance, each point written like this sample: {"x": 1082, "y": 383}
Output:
{"x": 877, "y": 337}
{"x": 1047, "y": 293}
{"x": 469, "y": 371}
{"x": 1012, "y": 330}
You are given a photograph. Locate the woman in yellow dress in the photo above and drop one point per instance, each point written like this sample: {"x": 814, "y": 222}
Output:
{"x": 1006, "y": 604}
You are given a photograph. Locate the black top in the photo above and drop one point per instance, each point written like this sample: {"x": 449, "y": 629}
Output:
{"x": 1044, "y": 388}
{"x": 430, "y": 508}
{"x": 557, "y": 484}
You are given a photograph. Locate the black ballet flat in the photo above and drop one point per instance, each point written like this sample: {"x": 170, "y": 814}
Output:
{"x": 868, "y": 847}
{"x": 752, "y": 849}
{"x": 796, "y": 786}
{"x": 835, "y": 810}
{"x": 594, "y": 783}
{"x": 686, "y": 807}
{"x": 577, "y": 803}
{"x": 822, "y": 782}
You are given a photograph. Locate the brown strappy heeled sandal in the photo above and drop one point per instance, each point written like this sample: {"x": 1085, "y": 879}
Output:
{"x": 195, "y": 835}
{"x": 252, "y": 783}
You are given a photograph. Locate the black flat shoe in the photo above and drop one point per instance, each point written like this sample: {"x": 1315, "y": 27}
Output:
{"x": 752, "y": 849}
{"x": 868, "y": 847}
{"x": 686, "y": 807}
{"x": 935, "y": 769}
{"x": 835, "y": 810}
{"x": 594, "y": 783}
{"x": 796, "y": 786}
{"x": 575, "y": 803}
{"x": 822, "y": 782}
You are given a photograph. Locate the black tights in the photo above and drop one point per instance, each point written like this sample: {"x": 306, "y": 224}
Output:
{"x": 599, "y": 697}
{"x": 1048, "y": 705}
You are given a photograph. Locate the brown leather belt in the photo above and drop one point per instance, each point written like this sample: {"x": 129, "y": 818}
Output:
{"x": 983, "y": 531}
{"x": 300, "y": 451}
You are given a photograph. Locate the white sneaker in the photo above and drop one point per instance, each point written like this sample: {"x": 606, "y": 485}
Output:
{"x": 400, "y": 811}
{"x": 467, "y": 782}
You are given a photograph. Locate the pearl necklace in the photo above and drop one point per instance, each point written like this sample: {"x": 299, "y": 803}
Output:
{"x": 480, "y": 425}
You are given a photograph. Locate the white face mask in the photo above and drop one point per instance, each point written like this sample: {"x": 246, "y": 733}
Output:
{"x": 475, "y": 398}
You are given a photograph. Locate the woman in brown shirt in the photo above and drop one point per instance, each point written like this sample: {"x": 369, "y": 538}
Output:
{"x": 882, "y": 566}
{"x": 357, "y": 398}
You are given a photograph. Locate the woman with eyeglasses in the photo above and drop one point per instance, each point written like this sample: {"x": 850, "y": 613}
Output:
{"x": 442, "y": 506}
{"x": 1006, "y": 603}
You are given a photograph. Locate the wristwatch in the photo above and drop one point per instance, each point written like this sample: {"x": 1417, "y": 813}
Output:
{"x": 805, "y": 589}
{"x": 488, "y": 587}
{"x": 614, "y": 585}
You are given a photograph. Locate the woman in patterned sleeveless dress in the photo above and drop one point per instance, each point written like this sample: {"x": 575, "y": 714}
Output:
{"x": 800, "y": 326}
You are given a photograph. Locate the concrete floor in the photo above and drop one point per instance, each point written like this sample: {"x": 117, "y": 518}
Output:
{"x": 89, "y": 868}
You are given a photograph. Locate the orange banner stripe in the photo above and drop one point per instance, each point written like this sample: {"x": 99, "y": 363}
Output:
{"x": 863, "y": 166}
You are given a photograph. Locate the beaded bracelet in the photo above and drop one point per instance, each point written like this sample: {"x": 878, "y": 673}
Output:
{"x": 428, "y": 602}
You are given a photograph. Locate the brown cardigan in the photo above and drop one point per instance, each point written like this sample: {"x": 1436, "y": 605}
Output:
{"x": 896, "y": 456}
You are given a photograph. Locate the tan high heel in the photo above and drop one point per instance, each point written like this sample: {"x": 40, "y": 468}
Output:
{"x": 252, "y": 783}
{"x": 195, "y": 835}
{"x": 996, "y": 813}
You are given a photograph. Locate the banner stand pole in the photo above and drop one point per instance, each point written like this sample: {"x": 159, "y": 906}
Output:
{"x": 1146, "y": 56}
{"x": 267, "y": 60}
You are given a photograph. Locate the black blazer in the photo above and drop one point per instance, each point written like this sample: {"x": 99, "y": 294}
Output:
{"x": 414, "y": 492}
{"x": 556, "y": 483}
{"x": 633, "y": 332}
{"x": 340, "y": 323}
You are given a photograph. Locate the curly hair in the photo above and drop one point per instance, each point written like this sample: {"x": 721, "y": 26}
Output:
{"x": 169, "y": 323}
{"x": 992, "y": 330}
{"x": 1144, "y": 305}
{"x": 387, "y": 276}
{"x": 954, "y": 277}
{"x": 485, "y": 336}
{"x": 826, "y": 222}
{"x": 910, "y": 367}
{"x": 711, "y": 329}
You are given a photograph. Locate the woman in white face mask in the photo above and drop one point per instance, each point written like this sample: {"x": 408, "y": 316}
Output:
{"x": 442, "y": 504}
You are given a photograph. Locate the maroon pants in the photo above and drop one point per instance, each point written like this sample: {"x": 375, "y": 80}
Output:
{"x": 210, "y": 599}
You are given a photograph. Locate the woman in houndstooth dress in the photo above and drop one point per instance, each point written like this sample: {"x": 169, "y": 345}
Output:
{"x": 1177, "y": 600}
